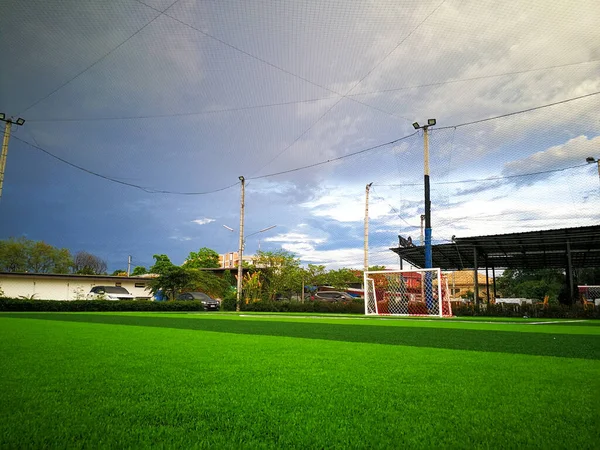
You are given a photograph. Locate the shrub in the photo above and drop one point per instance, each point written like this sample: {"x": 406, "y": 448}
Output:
{"x": 576, "y": 311}
{"x": 228, "y": 302}
{"x": 10, "y": 304}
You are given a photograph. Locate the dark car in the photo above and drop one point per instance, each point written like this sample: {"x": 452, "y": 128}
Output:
{"x": 331, "y": 296}
{"x": 209, "y": 304}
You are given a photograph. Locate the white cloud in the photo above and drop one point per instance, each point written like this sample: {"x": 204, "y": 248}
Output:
{"x": 203, "y": 221}
{"x": 572, "y": 152}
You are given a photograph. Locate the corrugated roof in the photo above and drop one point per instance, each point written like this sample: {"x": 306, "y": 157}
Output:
{"x": 527, "y": 250}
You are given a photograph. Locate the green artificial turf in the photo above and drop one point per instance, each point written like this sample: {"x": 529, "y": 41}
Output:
{"x": 223, "y": 381}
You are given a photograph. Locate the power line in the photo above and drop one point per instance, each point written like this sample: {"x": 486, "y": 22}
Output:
{"x": 311, "y": 100}
{"x": 157, "y": 191}
{"x": 351, "y": 89}
{"x": 270, "y": 64}
{"x": 115, "y": 180}
{"x": 196, "y": 113}
{"x": 98, "y": 60}
{"x": 393, "y": 209}
{"x": 482, "y": 77}
{"x": 333, "y": 159}
{"x": 488, "y": 179}
{"x": 517, "y": 112}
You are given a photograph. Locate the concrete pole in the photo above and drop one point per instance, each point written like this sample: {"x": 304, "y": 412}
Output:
{"x": 128, "y": 265}
{"x": 366, "y": 250}
{"x": 7, "y": 127}
{"x": 241, "y": 249}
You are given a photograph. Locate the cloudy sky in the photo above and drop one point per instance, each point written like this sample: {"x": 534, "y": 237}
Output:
{"x": 141, "y": 116}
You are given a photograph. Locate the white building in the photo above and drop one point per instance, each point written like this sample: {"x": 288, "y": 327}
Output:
{"x": 49, "y": 286}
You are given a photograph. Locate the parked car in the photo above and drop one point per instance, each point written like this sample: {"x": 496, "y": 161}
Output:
{"x": 209, "y": 304}
{"x": 331, "y": 296}
{"x": 109, "y": 293}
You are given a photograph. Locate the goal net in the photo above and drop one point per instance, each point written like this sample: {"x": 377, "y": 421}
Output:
{"x": 418, "y": 292}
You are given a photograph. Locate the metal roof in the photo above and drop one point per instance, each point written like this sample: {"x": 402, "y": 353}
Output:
{"x": 528, "y": 250}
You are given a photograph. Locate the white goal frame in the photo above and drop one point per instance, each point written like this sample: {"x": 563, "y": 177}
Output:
{"x": 406, "y": 293}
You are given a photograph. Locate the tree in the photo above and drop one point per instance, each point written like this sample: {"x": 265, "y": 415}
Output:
{"x": 162, "y": 263}
{"x": 119, "y": 273}
{"x": 138, "y": 270}
{"x": 24, "y": 255}
{"x": 205, "y": 258}
{"x": 342, "y": 278}
{"x": 175, "y": 279}
{"x": 171, "y": 281}
{"x": 87, "y": 264}
{"x": 280, "y": 273}
{"x": 531, "y": 283}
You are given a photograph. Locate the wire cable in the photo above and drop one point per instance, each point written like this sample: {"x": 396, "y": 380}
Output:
{"x": 479, "y": 180}
{"x": 333, "y": 159}
{"x": 115, "y": 180}
{"x": 517, "y": 112}
{"x": 351, "y": 89}
{"x": 311, "y": 100}
{"x": 270, "y": 64}
{"x": 97, "y": 61}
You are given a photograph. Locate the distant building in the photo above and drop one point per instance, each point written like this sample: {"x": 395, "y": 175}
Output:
{"x": 462, "y": 283}
{"x": 50, "y": 286}
{"x": 231, "y": 260}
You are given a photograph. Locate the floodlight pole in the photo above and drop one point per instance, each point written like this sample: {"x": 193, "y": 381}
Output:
{"x": 591, "y": 160}
{"x": 241, "y": 249}
{"x": 428, "y": 249}
{"x": 366, "y": 249}
{"x": 7, "y": 127}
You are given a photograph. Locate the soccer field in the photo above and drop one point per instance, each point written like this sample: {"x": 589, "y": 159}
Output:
{"x": 73, "y": 380}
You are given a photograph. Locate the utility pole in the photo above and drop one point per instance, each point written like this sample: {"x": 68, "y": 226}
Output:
{"x": 128, "y": 265}
{"x": 241, "y": 248}
{"x": 366, "y": 251}
{"x": 7, "y": 126}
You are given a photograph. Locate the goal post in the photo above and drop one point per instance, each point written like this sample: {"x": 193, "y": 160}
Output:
{"x": 417, "y": 292}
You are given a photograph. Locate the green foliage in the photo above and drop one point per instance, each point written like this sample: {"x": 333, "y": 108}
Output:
{"x": 119, "y": 273}
{"x": 24, "y": 255}
{"x": 205, "y": 258}
{"x": 556, "y": 311}
{"x": 533, "y": 284}
{"x": 280, "y": 273}
{"x": 353, "y": 307}
{"x": 229, "y": 301}
{"x": 7, "y": 304}
{"x": 162, "y": 264}
{"x": 342, "y": 278}
{"x": 138, "y": 270}
{"x": 171, "y": 281}
{"x": 174, "y": 280}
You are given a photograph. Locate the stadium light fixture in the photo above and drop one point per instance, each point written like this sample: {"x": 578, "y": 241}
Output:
{"x": 590, "y": 160}
{"x": 2, "y": 116}
{"x": 431, "y": 122}
{"x": 20, "y": 121}
{"x": 416, "y": 125}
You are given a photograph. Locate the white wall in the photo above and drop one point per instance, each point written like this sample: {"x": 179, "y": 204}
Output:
{"x": 67, "y": 287}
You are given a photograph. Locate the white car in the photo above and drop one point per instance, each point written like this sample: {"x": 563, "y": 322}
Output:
{"x": 109, "y": 293}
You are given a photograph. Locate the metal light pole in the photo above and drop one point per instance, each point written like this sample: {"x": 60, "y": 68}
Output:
{"x": 366, "y": 249}
{"x": 241, "y": 248}
{"x": 7, "y": 126}
{"x": 592, "y": 160}
{"x": 428, "y": 251}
